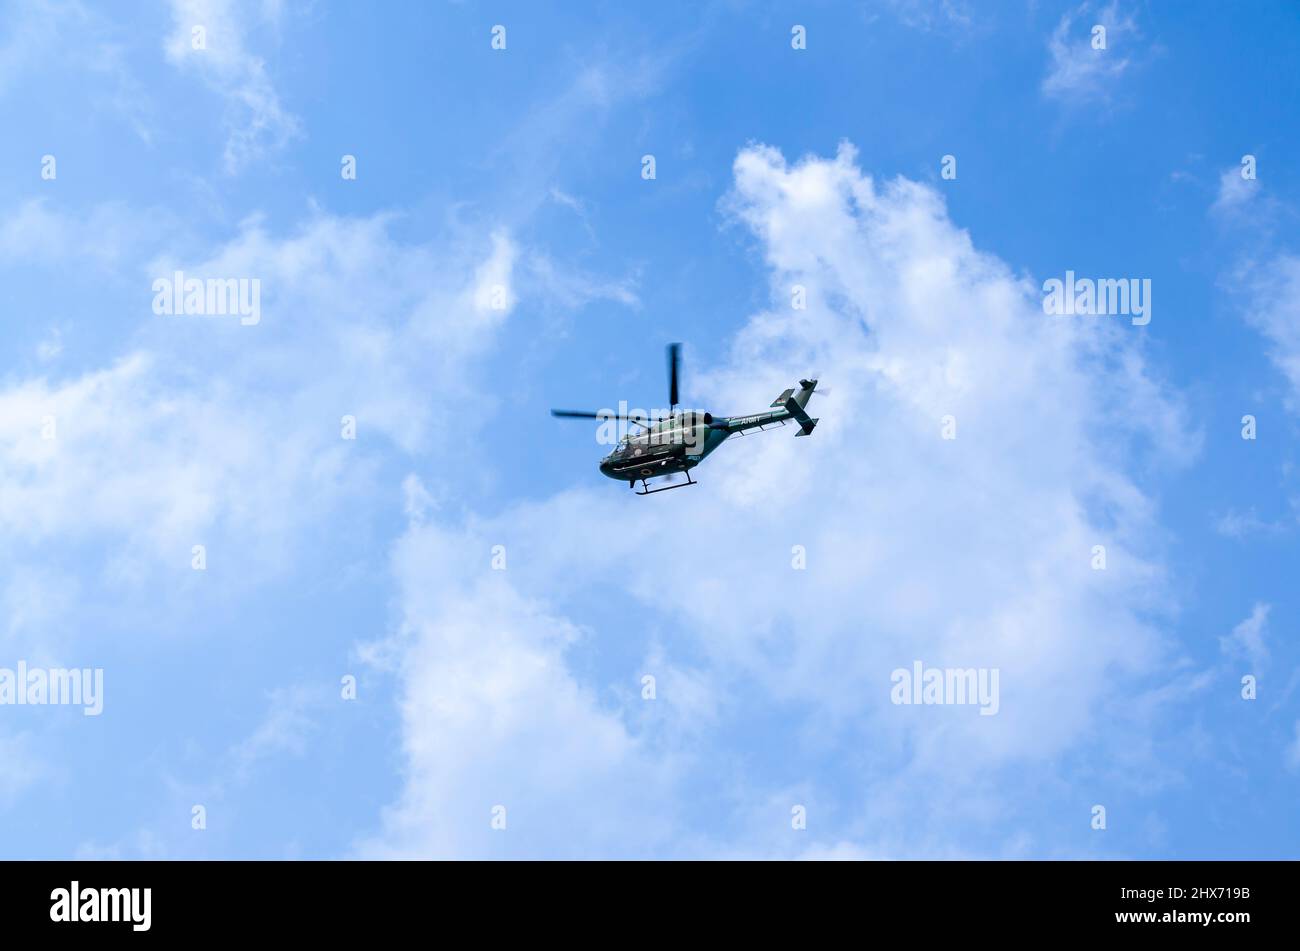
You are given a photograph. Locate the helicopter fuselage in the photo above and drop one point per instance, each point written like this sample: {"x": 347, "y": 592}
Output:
{"x": 676, "y": 444}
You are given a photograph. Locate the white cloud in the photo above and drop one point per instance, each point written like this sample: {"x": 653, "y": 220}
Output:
{"x": 973, "y": 552}
{"x": 38, "y": 32}
{"x": 283, "y": 731}
{"x": 208, "y": 432}
{"x": 106, "y": 237}
{"x": 255, "y": 119}
{"x": 571, "y": 290}
{"x": 492, "y": 717}
{"x": 154, "y": 464}
{"x": 1247, "y": 638}
{"x": 1079, "y": 73}
{"x": 1273, "y": 308}
{"x": 358, "y": 323}
{"x": 1234, "y": 524}
{"x": 1235, "y": 193}
{"x": 51, "y": 347}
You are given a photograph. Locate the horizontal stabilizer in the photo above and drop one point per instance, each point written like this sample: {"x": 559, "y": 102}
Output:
{"x": 806, "y": 422}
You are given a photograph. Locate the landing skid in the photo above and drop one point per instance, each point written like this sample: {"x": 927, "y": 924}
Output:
{"x": 646, "y": 490}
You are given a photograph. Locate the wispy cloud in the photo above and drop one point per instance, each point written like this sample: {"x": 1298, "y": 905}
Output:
{"x": 1236, "y": 192}
{"x": 211, "y": 37}
{"x": 36, "y": 32}
{"x": 1234, "y": 524}
{"x": 284, "y": 730}
{"x": 1080, "y": 72}
{"x": 1247, "y": 638}
{"x": 932, "y": 14}
{"x": 1271, "y": 297}
{"x": 107, "y": 236}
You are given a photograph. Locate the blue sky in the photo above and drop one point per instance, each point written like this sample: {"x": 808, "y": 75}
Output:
{"x": 520, "y": 170}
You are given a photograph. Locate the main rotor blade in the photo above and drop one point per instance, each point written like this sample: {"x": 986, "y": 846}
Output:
{"x": 584, "y": 414}
{"x": 674, "y": 362}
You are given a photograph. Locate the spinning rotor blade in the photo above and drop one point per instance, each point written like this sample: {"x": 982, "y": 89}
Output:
{"x": 674, "y": 362}
{"x": 821, "y": 390}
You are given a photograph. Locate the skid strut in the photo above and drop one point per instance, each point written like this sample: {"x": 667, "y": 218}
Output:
{"x": 646, "y": 490}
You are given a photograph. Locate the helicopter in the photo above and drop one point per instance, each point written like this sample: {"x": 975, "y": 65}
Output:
{"x": 681, "y": 440}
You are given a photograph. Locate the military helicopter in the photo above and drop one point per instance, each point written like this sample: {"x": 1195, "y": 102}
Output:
{"x": 679, "y": 441}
